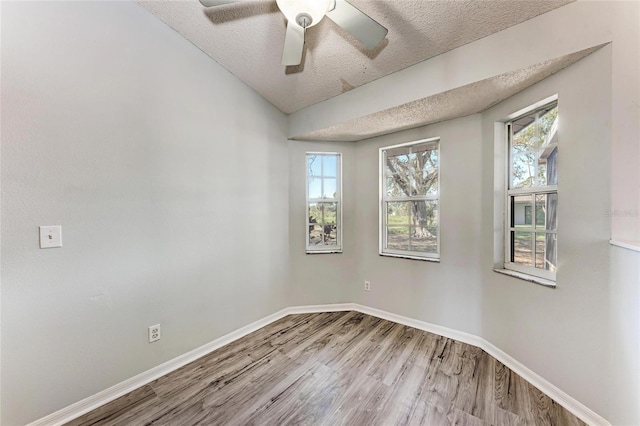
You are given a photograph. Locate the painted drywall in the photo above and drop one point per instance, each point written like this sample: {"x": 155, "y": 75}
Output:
{"x": 327, "y": 277}
{"x": 445, "y": 293}
{"x": 624, "y": 346}
{"x": 564, "y": 327}
{"x": 170, "y": 180}
{"x": 625, "y": 117}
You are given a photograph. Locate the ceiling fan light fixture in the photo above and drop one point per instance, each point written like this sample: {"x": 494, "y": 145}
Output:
{"x": 305, "y": 13}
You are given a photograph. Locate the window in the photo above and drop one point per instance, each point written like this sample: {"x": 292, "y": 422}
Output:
{"x": 409, "y": 193}
{"x": 532, "y": 193}
{"x": 324, "y": 199}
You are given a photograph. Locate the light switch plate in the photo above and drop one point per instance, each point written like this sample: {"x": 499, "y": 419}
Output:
{"x": 50, "y": 236}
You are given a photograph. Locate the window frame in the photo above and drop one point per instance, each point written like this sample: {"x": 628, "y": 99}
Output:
{"x": 532, "y": 271}
{"x": 383, "y": 199}
{"x": 324, "y": 249}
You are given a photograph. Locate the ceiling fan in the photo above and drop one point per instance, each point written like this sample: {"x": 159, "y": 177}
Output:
{"x": 303, "y": 14}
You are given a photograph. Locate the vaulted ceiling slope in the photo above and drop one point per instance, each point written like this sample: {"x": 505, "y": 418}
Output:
{"x": 459, "y": 102}
{"x": 247, "y": 39}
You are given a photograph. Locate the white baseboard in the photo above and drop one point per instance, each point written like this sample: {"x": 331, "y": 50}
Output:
{"x": 79, "y": 408}
{"x": 572, "y": 405}
{"x": 311, "y": 309}
{"x": 82, "y": 407}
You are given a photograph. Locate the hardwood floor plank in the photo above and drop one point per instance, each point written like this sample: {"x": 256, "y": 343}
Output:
{"x": 484, "y": 399}
{"x": 507, "y": 418}
{"x": 283, "y": 405}
{"x": 426, "y": 414}
{"x": 124, "y": 406}
{"x": 337, "y": 368}
{"x": 406, "y": 392}
{"x": 352, "y": 398}
{"x": 461, "y": 418}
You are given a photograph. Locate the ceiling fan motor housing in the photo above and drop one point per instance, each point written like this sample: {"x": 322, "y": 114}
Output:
{"x": 305, "y": 13}
{"x": 304, "y": 20}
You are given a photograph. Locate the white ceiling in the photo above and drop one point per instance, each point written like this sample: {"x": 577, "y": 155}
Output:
{"x": 247, "y": 40}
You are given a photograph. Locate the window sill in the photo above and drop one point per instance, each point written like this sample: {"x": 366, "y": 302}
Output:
{"x": 406, "y": 256}
{"x": 337, "y": 251}
{"x": 527, "y": 277}
{"x": 629, "y": 245}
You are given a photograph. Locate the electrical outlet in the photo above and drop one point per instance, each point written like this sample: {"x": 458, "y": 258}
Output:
{"x": 154, "y": 333}
{"x": 367, "y": 286}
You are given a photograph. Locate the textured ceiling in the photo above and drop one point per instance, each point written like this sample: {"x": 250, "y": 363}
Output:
{"x": 247, "y": 40}
{"x": 459, "y": 102}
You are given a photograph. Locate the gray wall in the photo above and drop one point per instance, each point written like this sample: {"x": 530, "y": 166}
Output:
{"x": 166, "y": 174}
{"x": 445, "y": 293}
{"x": 320, "y": 278}
{"x": 564, "y": 327}
{"x": 624, "y": 345}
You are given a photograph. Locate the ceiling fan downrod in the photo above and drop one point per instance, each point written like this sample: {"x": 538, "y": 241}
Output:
{"x": 304, "y": 19}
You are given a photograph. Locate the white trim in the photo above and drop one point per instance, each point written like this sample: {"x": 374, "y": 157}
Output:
{"x": 313, "y": 309}
{"x": 338, "y": 201}
{"x": 79, "y": 408}
{"x": 532, "y": 108}
{"x": 526, "y": 277}
{"x": 572, "y": 405}
{"x": 82, "y": 407}
{"x": 630, "y": 245}
{"x": 450, "y": 333}
{"x": 383, "y": 200}
{"x": 398, "y": 254}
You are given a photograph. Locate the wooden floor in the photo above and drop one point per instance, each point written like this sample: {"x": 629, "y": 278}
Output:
{"x": 339, "y": 368}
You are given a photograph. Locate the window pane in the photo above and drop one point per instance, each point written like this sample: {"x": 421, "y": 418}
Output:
{"x": 398, "y": 164}
{"x": 330, "y": 165}
{"x": 545, "y": 124}
{"x": 394, "y": 188}
{"x": 424, "y": 183}
{"x": 547, "y": 211}
{"x": 315, "y": 187}
{"x": 548, "y": 164}
{"x": 314, "y": 166}
{"x": 315, "y": 234}
{"x": 520, "y": 204}
{"x": 398, "y": 237}
{"x": 330, "y": 213}
{"x": 521, "y": 248}
{"x": 546, "y": 253}
{"x": 525, "y": 137}
{"x": 323, "y": 186}
{"x": 431, "y": 159}
{"x": 527, "y": 215}
{"x": 315, "y": 213}
{"x": 424, "y": 239}
{"x": 398, "y": 213}
{"x": 523, "y": 170}
{"x": 540, "y": 251}
{"x": 424, "y": 213}
{"x": 329, "y": 190}
{"x": 431, "y": 182}
{"x": 330, "y": 235}
{"x": 411, "y": 171}
{"x": 533, "y": 219}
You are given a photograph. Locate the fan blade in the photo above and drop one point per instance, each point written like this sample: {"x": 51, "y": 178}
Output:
{"x": 293, "y": 44}
{"x": 212, "y": 3}
{"x": 358, "y": 24}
